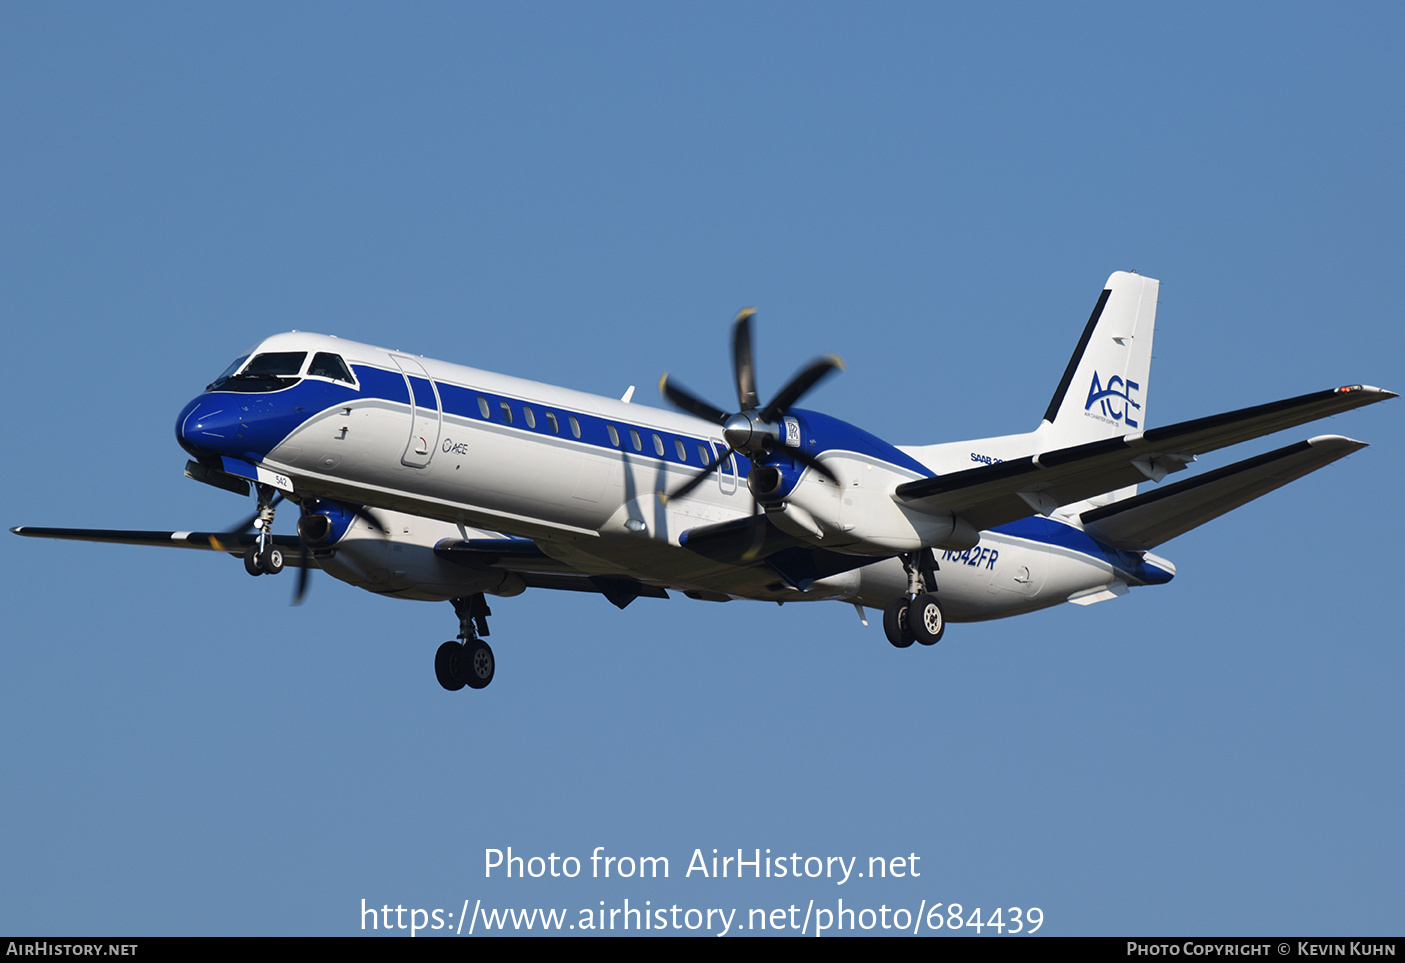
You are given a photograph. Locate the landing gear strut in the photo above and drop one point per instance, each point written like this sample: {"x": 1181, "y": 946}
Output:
{"x": 263, "y": 557}
{"x": 916, "y": 615}
{"x": 468, "y": 662}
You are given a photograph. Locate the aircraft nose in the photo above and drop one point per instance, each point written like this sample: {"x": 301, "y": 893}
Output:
{"x": 208, "y": 425}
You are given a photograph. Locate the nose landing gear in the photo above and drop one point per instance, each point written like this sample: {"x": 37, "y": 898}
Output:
{"x": 263, "y": 557}
{"x": 468, "y": 662}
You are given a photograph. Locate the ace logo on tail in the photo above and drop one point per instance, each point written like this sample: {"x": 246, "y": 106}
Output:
{"x": 1107, "y": 399}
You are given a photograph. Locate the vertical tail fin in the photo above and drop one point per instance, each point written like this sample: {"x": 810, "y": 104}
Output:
{"x": 1103, "y": 391}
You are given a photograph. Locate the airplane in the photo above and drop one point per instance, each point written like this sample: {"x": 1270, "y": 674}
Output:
{"x": 421, "y": 479}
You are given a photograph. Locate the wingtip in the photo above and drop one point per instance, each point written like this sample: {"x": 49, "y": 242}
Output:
{"x": 1337, "y": 441}
{"x": 1382, "y": 394}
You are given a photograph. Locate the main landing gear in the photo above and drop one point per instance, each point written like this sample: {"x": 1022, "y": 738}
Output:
{"x": 263, "y": 557}
{"x": 468, "y": 662}
{"x": 916, "y": 616}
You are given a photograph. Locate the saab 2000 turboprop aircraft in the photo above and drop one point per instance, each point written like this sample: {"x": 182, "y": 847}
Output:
{"x": 420, "y": 479}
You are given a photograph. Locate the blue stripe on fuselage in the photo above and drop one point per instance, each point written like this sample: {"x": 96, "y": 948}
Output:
{"x": 252, "y": 425}
{"x": 820, "y": 432}
{"x": 1037, "y": 528}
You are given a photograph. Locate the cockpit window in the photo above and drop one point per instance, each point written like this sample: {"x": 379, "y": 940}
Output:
{"x": 326, "y": 365}
{"x": 224, "y": 375}
{"x": 281, "y": 364}
{"x": 271, "y": 371}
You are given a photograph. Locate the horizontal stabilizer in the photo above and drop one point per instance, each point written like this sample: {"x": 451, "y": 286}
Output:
{"x": 996, "y": 494}
{"x": 1145, "y": 521}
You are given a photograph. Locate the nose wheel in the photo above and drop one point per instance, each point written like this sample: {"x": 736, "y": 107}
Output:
{"x": 468, "y": 662}
{"x": 263, "y": 560}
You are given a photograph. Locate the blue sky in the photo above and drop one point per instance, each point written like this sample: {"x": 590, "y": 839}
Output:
{"x": 585, "y": 195}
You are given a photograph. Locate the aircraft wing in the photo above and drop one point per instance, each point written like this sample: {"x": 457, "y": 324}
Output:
{"x": 232, "y": 544}
{"x": 993, "y": 495}
{"x": 755, "y": 541}
{"x": 518, "y": 555}
{"x": 1146, "y": 520}
{"x": 539, "y": 570}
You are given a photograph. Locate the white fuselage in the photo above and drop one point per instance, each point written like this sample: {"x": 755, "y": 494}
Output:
{"x": 453, "y": 449}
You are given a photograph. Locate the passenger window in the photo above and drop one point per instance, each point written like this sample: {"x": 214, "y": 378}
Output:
{"x": 483, "y": 406}
{"x": 575, "y": 426}
{"x": 327, "y": 365}
{"x": 614, "y": 435}
{"x": 634, "y": 440}
{"x": 528, "y": 417}
{"x": 703, "y": 456}
{"x": 681, "y": 448}
{"x": 551, "y": 420}
{"x": 658, "y": 445}
{"x": 506, "y": 412}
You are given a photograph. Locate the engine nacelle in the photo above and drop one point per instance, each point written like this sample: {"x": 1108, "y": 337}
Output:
{"x": 399, "y": 559}
{"x": 860, "y": 515}
{"x": 323, "y": 522}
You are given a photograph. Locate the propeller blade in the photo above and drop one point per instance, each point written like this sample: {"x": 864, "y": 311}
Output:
{"x": 758, "y": 531}
{"x": 304, "y": 572}
{"x": 243, "y": 527}
{"x": 687, "y": 487}
{"x": 742, "y": 363}
{"x": 798, "y": 385}
{"x": 368, "y": 516}
{"x": 690, "y": 402}
{"x": 800, "y": 455}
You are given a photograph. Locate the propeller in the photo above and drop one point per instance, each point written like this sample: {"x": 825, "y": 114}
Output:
{"x": 304, "y": 573}
{"x": 753, "y": 430}
{"x": 306, "y": 538}
{"x": 243, "y": 528}
{"x": 308, "y": 534}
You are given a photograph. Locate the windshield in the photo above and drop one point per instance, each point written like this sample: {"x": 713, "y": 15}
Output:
{"x": 267, "y": 372}
{"x": 224, "y": 375}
